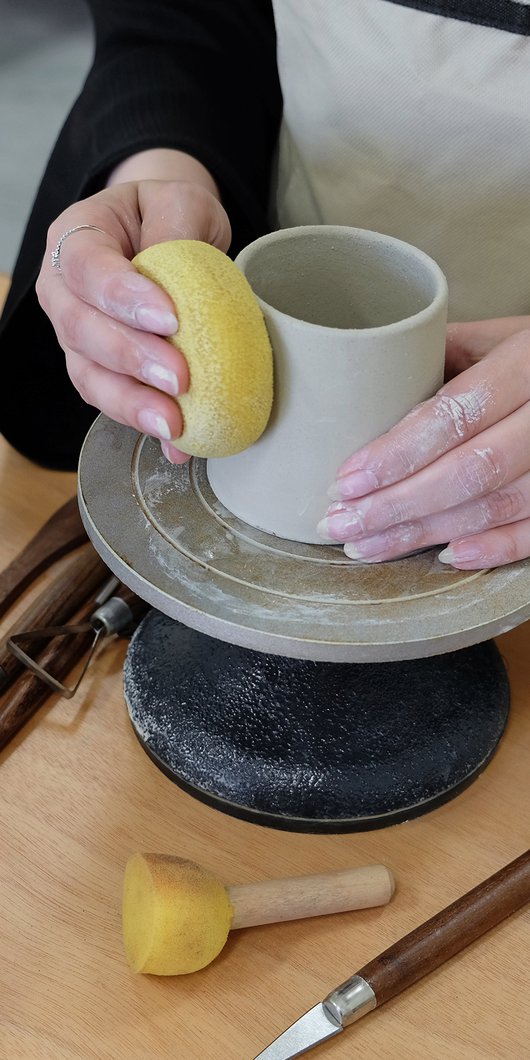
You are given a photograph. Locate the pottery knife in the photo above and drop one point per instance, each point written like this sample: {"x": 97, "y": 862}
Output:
{"x": 410, "y": 959}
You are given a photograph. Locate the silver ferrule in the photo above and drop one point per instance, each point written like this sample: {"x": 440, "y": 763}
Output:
{"x": 114, "y": 615}
{"x": 350, "y": 1001}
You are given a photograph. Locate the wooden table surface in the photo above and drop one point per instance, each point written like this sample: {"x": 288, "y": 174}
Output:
{"x": 79, "y": 795}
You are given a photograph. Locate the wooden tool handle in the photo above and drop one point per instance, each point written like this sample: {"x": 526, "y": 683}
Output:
{"x": 63, "y": 532}
{"x": 59, "y": 657}
{"x": 77, "y": 582}
{"x": 29, "y": 693}
{"x": 450, "y": 931}
{"x": 272, "y": 901}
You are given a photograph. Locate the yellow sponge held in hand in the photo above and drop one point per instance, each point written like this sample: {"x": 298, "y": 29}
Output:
{"x": 223, "y": 337}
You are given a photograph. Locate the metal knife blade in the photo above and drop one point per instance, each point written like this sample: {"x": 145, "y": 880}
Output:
{"x": 311, "y": 1029}
{"x": 410, "y": 959}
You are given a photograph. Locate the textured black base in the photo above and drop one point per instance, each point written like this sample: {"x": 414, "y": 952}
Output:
{"x": 311, "y": 746}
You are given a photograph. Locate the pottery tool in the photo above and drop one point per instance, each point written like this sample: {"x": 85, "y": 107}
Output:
{"x": 115, "y": 610}
{"x": 410, "y": 959}
{"x": 223, "y": 337}
{"x": 177, "y": 914}
{"x": 67, "y": 647}
{"x": 264, "y": 660}
{"x": 95, "y": 605}
{"x": 77, "y": 582}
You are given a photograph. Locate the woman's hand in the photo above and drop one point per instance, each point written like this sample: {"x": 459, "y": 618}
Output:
{"x": 108, "y": 318}
{"x": 456, "y": 469}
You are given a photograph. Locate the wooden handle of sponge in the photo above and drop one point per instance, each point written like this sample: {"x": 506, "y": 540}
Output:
{"x": 272, "y": 901}
{"x": 177, "y": 914}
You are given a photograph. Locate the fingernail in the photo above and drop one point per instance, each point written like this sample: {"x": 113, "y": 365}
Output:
{"x": 152, "y": 423}
{"x": 356, "y": 484}
{"x": 339, "y": 525}
{"x": 160, "y": 377}
{"x": 151, "y": 317}
{"x": 367, "y": 549}
{"x": 161, "y": 321}
{"x": 464, "y": 553}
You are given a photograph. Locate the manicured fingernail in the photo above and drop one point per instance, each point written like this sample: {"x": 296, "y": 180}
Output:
{"x": 370, "y": 548}
{"x": 464, "y": 553}
{"x": 339, "y": 525}
{"x": 161, "y": 321}
{"x": 152, "y": 423}
{"x": 160, "y": 377}
{"x": 144, "y": 314}
{"x": 355, "y": 484}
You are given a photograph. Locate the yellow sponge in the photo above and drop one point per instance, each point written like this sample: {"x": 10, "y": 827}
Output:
{"x": 176, "y": 915}
{"x": 223, "y": 337}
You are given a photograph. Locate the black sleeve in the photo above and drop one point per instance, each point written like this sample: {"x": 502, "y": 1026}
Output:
{"x": 197, "y": 75}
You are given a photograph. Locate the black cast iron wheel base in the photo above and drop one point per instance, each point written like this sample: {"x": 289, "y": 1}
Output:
{"x": 311, "y": 746}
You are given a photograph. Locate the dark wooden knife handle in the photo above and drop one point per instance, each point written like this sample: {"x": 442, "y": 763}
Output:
{"x": 62, "y": 532}
{"x": 448, "y": 932}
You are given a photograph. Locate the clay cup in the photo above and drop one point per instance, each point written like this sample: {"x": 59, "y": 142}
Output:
{"x": 357, "y": 324}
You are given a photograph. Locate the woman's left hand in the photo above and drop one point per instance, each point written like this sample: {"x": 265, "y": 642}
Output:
{"x": 456, "y": 469}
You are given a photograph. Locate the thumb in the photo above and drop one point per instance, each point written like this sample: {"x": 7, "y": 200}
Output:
{"x": 181, "y": 210}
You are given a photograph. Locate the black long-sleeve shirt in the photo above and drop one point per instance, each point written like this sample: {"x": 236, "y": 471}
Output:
{"x": 196, "y": 75}
{"x": 201, "y": 76}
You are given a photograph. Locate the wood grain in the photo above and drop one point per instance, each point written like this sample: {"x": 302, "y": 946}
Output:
{"x": 79, "y": 796}
{"x": 448, "y": 932}
{"x": 59, "y": 656}
{"x": 54, "y": 604}
{"x": 274, "y": 901}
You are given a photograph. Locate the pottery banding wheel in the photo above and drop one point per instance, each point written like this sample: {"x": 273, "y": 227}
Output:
{"x": 163, "y": 532}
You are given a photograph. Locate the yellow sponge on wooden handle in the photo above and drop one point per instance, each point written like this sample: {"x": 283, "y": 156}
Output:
{"x": 223, "y": 337}
{"x": 176, "y": 915}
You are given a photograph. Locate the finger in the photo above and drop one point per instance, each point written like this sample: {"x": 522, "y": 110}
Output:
{"x": 174, "y": 455}
{"x": 95, "y": 265}
{"x": 94, "y": 269}
{"x": 84, "y": 330}
{"x": 468, "y": 343}
{"x": 124, "y": 400}
{"x": 454, "y": 479}
{"x": 459, "y": 411}
{"x": 506, "y": 505}
{"x": 494, "y": 548}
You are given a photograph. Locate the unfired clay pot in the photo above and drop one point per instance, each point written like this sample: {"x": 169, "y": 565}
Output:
{"x": 357, "y": 325}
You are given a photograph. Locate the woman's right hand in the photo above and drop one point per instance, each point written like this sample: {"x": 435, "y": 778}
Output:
{"x": 110, "y": 320}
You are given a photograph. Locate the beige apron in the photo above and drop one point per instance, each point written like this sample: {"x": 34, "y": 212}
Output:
{"x": 415, "y": 125}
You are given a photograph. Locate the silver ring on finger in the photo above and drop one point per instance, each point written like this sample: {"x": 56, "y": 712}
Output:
{"x": 56, "y": 253}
